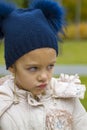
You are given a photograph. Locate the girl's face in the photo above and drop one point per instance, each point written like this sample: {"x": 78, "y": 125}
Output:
{"x": 33, "y": 71}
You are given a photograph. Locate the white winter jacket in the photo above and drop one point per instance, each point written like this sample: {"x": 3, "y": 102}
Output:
{"x": 59, "y": 109}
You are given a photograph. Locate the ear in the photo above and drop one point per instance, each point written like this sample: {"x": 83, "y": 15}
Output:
{"x": 12, "y": 69}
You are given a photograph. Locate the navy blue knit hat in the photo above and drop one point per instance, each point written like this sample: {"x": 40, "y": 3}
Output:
{"x": 27, "y": 29}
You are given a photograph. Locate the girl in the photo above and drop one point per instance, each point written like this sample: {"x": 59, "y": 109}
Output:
{"x": 30, "y": 99}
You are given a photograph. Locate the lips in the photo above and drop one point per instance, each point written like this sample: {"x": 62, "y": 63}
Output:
{"x": 42, "y": 86}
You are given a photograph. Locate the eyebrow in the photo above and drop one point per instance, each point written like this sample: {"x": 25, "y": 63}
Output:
{"x": 35, "y": 64}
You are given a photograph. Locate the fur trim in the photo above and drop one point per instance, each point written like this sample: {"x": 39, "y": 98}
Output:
{"x": 53, "y": 12}
{"x": 5, "y": 10}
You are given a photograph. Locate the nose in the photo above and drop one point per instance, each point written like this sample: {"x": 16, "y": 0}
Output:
{"x": 43, "y": 76}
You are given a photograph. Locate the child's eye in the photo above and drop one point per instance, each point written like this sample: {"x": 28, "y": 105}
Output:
{"x": 32, "y": 69}
{"x": 50, "y": 67}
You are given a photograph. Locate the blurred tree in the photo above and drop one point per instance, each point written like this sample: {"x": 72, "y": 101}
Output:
{"x": 21, "y": 3}
{"x": 70, "y": 5}
{"x": 25, "y": 3}
{"x": 84, "y": 10}
{"x": 74, "y": 7}
{"x": 78, "y": 18}
{"x": 70, "y": 9}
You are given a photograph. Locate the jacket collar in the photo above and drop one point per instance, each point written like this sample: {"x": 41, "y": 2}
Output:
{"x": 64, "y": 87}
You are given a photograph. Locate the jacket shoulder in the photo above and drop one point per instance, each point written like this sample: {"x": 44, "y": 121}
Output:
{"x": 6, "y": 97}
{"x": 67, "y": 86}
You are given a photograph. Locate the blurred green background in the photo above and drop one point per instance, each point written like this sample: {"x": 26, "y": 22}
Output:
{"x": 73, "y": 48}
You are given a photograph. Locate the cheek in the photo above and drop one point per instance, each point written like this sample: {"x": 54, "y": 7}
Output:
{"x": 49, "y": 76}
{"x": 24, "y": 79}
{"x": 51, "y": 73}
{"x": 25, "y": 83}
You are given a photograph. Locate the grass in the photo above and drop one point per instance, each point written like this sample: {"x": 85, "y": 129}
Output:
{"x": 1, "y": 54}
{"x": 73, "y": 52}
{"x": 84, "y": 101}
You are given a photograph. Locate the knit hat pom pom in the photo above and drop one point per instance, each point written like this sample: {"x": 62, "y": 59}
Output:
{"x": 5, "y": 10}
{"x": 53, "y": 12}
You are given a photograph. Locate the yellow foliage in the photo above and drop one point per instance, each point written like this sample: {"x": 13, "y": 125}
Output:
{"x": 74, "y": 31}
